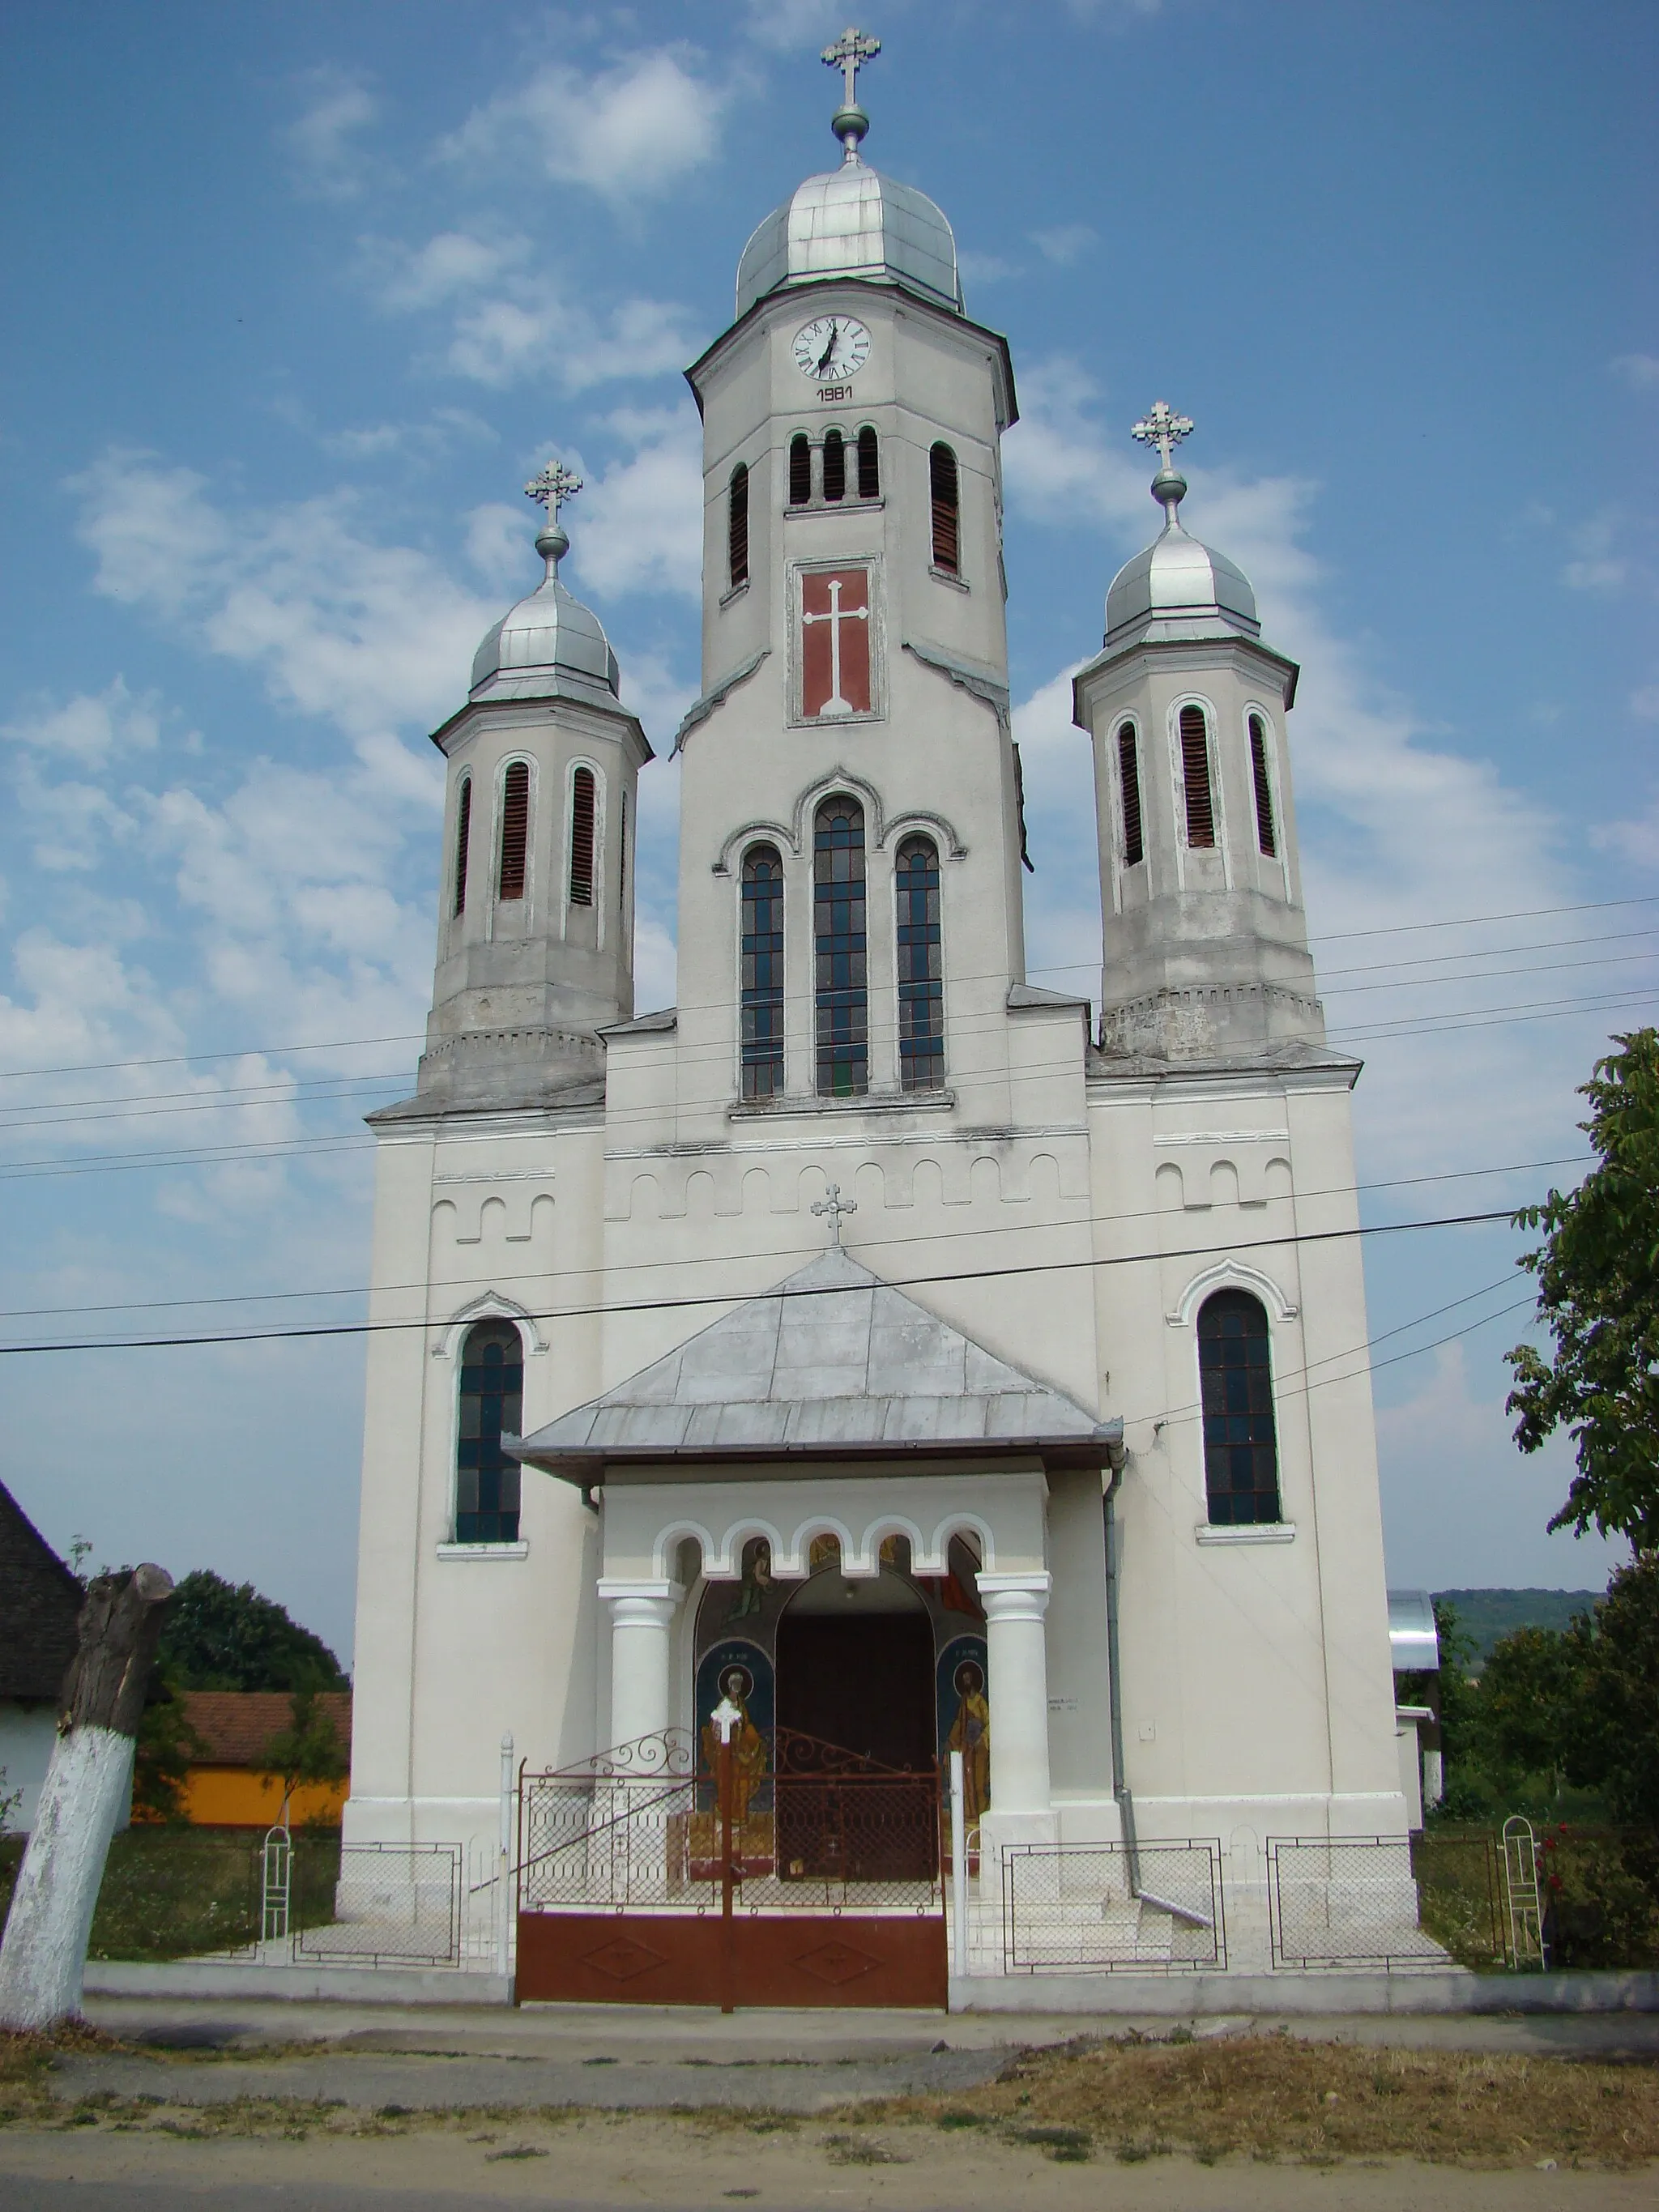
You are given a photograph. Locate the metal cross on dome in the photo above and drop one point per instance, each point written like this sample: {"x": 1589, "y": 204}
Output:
{"x": 834, "y": 1205}
{"x": 555, "y": 484}
{"x": 1162, "y": 429}
{"x": 849, "y": 54}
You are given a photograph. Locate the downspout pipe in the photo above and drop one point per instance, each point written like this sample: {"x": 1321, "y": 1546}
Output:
{"x": 1116, "y": 1459}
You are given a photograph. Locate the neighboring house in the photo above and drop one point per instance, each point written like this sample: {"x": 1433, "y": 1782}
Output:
{"x": 230, "y": 1785}
{"x": 1414, "y": 1640}
{"x": 39, "y": 1605}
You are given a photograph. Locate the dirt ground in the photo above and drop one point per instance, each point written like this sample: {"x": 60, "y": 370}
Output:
{"x": 1251, "y": 2122}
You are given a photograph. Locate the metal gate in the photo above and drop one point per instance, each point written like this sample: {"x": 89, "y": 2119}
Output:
{"x": 812, "y": 1877}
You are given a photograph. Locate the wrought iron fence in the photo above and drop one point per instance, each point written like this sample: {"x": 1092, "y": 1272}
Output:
{"x": 1347, "y": 1901}
{"x": 1111, "y": 1908}
{"x": 395, "y": 1905}
{"x": 811, "y": 1827}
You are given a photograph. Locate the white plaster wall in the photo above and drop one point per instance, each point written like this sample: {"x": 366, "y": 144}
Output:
{"x": 27, "y": 1733}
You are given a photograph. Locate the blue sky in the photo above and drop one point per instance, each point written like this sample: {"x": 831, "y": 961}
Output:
{"x": 306, "y": 291}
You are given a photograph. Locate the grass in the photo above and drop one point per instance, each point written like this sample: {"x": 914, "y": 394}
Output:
{"x": 174, "y": 1892}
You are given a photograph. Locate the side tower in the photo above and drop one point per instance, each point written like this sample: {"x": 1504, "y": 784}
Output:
{"x": 1231, "y": 1297}
{"x": 535, "y": 919}
{"x": 474, "y": 1589}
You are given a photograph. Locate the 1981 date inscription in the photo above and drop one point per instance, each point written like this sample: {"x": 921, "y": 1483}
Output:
{"x": 830, "y": 393}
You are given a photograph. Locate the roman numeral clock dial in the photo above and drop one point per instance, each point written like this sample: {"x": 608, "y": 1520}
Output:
{"x": 832, "y": 349}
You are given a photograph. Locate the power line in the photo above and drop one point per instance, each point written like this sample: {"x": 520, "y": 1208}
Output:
{"x": 715, "y": 1297}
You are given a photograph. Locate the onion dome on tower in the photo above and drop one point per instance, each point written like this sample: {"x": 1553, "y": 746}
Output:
{"x": 851, "y": 221}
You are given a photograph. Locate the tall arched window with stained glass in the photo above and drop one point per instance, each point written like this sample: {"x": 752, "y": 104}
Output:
{"x": 491, "y": 1404}
{"x": 1240, "y": 1446}
{"x": 760, "y": 983}
{"x": 841, "y": 951}
{"x": 921, "y": 969}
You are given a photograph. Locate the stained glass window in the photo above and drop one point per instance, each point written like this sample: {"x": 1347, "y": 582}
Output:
{"x": 492, "y": 1399}
{"x": 762, "y": 973}
{"x": 921, "y": 987}
{"x": 1241, "y": 1451}
{"x": 841, "y": 951}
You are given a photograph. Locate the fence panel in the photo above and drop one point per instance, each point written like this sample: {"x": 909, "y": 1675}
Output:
{"x": 395, "y": 1905}
{"x": 1112, "y": 1908}
{"x": 1346, "y": 1901}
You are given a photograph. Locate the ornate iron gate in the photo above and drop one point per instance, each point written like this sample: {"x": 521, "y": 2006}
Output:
{"x": 809, "y": 1876}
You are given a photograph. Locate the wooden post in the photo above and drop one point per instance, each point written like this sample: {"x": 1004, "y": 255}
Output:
{"x": 88, "y": 1788}
{"x": 728, "y": 1964}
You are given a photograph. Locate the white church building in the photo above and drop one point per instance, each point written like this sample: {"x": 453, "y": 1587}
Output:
{"x": 873, "y": 1322}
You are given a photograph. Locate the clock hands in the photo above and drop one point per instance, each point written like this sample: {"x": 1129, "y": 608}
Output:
{"x": 825, "y": 357}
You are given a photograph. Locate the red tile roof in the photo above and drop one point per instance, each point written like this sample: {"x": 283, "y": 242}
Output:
{"x": 236, "y": 1725}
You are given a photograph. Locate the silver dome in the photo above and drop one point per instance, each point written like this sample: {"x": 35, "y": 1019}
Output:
{"x": 852, "y": 221}
{"x": 547, "y": 647}
{"x": 1179, "y": 588}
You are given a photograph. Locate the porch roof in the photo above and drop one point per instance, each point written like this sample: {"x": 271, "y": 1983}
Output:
{"x": 832, "y": 1364}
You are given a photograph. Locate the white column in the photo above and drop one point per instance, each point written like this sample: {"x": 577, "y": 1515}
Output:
{"x": 1019, "y": 1690}
{"x": 641, "y": 1643}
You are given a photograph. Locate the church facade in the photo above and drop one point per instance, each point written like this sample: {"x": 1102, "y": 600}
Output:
{"x": 943, "y": 1360}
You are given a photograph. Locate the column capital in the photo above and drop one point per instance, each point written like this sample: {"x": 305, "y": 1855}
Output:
{"x": 1015, "y": 1597}
{"x": 651, "y": 1603}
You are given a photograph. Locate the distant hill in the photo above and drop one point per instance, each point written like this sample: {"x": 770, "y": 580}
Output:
{"x": 1484, "y": 1615}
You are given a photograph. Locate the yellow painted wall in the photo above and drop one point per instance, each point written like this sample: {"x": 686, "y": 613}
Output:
{"x": 241, "y": 1797}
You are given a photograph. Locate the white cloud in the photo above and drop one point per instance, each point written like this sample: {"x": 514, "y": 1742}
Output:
{"x": 1066, "y": 244}
{"x": 451, "y": 265}
{"x": 628, "y": 133}
{"x": 641, "y": 523}
{"x": 91, "y": 728}
{"x": 1640, "y": 371}
{"x": 984, "y": 268}
{"x": 1599, "y": 566}
{"x": 1644, "y": 703}
{"x": 322, "y": 143}
{"x": 499, "y": 545}
{"x": 787, "y": 26}
{"x": 361, "y": 633}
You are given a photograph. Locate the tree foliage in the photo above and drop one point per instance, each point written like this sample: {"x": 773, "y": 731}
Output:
{"x": 309, "y": 1748}
{"x": 224, "y": 1636}
{"x": 1598, "y": 1292}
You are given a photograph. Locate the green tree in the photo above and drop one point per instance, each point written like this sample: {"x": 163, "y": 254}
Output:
{"x": 1598, "y": 1290}
{"x": 308, "y": 1749}
{"x": 1532, "y": 1705}
{"x": 224, "y": 1636}
{"x": 166, "y": 1743}
{"x": 1617, "y": 1740}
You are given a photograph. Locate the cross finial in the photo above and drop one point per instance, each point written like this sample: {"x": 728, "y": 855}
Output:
{"x": 1161, "y": 427}
{"x": 555, "y": 484}
{"x": 834, "y": 1205}
{"x": 849, "y": 54}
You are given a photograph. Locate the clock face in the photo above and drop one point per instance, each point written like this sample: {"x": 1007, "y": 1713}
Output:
{"x": 832, "y": 349}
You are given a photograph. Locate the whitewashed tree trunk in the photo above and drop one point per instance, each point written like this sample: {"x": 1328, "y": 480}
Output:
{"x": 43, "y": 1956}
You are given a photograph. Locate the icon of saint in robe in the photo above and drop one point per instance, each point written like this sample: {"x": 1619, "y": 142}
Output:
{"x": 970, "y": 1734}
{"x": 748, "y": 1744}
{"x": 757, "y": 1580}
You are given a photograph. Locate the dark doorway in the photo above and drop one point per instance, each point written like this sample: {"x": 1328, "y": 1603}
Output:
{"x": 864, "y": 1680}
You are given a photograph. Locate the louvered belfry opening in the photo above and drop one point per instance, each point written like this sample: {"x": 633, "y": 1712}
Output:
{"x": 869, "y": 463}
{"x": 1265, "y": 836}
{"x": 920, "y": 975}
{"x": 463, "y": 838}
{"x": 737, "y": 528}
{"x": 835, "y": 465}
{"x": 582, "y": 837}
{"x": 762, "y": 982}
{"x": 840, "y": 947}
{"x": 800, "y": 470}
{"x": 1129, "y": 780}
{"x": 1195, "y": 776}
{"x": 947, "y": 531}
{"x": 515, "y": 829}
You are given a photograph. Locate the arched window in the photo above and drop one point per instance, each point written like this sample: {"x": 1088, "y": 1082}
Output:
{"x": 1240, "y": 1454}
{"x": 582, "y": 837}
{"x": 840, "y": 951}
{"x": 761, "y": 978}
{"x": 1195, "y": 776}
{"x": 492, "y": 1402}
{"x": 947, "y": 533}
{"x": 921, "y": 984}
{"x": 515, "y": 829}
{"x": 800, "y": 470}
{"x": 1264, "y": 791}
{"x": 737, "y": 528}
{"x": 869, "y": 463}
{"x": 463, "y": 837}
{"x": 1129, "y": 781}
{"x": 835, "y": 465}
